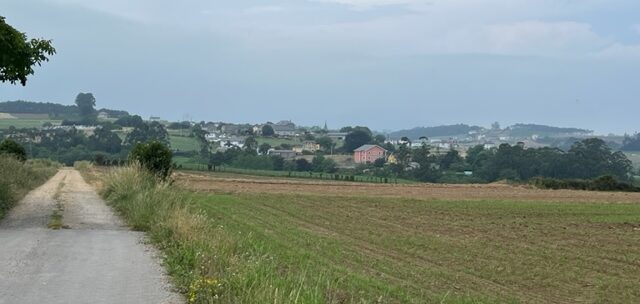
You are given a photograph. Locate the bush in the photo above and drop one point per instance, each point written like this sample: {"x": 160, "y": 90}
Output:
{"x": 153, "y": 156}
{"x": 13, "y": 148}
{"x": 603, "y": 183}
{"x": 254, "y": 162}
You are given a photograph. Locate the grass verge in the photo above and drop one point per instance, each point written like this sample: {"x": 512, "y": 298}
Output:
{"x": 56, "y": 222}
{"x": 18, "y": 178}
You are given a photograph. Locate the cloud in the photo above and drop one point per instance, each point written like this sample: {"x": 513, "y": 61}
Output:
{"x": 537, "y": 37}
{"x": 384, "y": 27}
{"x": 619, "y": 51}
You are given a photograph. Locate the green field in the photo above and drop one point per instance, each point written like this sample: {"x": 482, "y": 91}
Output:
{"x": 635, "y": 159}
{"x": 247, "y": 247}
{"x": 184, "y": 143}
{"x": 273, "y": 141}
{"x": 25, "y": 123}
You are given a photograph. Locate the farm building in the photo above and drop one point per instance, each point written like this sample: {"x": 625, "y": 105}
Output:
{"x": 103, "y": 115}
{"x": 368, "y": 154}
{"x": 284, "y": 128}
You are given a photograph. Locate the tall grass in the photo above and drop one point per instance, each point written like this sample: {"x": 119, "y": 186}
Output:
{"x": 17, "y": 178}
{"x": 189, "y": 242}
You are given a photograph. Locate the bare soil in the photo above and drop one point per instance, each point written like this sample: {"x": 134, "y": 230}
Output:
{"x": 229, "y": 183}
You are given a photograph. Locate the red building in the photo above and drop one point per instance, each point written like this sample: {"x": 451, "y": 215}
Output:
{"x": 368, "y": 154}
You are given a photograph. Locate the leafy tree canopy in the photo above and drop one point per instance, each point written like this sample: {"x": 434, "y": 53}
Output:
{"x": 86, "y": 104}
{"x": 153, "y": 156}
{"x": 267, "y": 130}
{"x": 18, "y": 54}
{"x": 357, "y": 138}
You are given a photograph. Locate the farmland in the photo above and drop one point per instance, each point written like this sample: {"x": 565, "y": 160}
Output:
{"x": 25, "y": 123}
{"x": 287, "y": 240}
{"x": 634, "y": 157}
{"x": 184, "y": 143}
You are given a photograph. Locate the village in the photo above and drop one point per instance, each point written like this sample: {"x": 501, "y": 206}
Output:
{"x": 288, "y": 140}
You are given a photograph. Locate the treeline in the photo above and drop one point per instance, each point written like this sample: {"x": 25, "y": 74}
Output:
{"x": 603, "y": 183}
{"x": 542, "y": 130}
{"x": 103, "y": 145}
{"x": 587, "y": 159}
{"x": 249, "y": 159}
{"x": 631, "y": 143}
{"x": 438, "y": 131}
{"x": 54, "y": 110}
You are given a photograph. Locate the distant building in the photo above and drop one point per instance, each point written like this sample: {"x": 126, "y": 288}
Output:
{"x": 284, "y": 128}
{"x": 230, "y": 129}
{"x": 310, "y": 145}
{"x": 368, "y": 154}
{"x": 103, "y": 115}
{"x": 155, "y": 118}
{"x": 283, "y": 153}
{"x": 230, "y": 142}
{"x": 337, "y": 135}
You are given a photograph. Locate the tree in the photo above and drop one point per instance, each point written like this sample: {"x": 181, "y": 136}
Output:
{"x": 267, "y": 130}
{"x": 356, "y": 139}
{"x": 264, "y": 148}
{"x": 105, "y": 140}
{"x": 134, "y": 121}
{"x": 153, "y": 156}
{"x": 278, "y": 162}
{"x": 216, "y": 159}
{"x": 86, "y": 104}
{"x": 320, "y": 163}
{"x": 251, "y": 144}
{"x": 592, "y": 158}
{"x": 303, "y": 165}
{"x": 13, "y": 148}
{"x": 18, "y": 55}
{"x": 631, "y": 143}
{"x": 147, "y": 132}
{"x": 325, "y": 142}
{"x": 452, "y": 157}
{"x": 379, "y": 139}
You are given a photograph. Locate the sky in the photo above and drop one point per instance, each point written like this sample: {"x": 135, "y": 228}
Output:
{"x": 387, "y": 64}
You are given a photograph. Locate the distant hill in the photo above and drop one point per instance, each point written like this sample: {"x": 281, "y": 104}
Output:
{"x": 54, "y": 110}
{"x": 524, "y": 130}
{"x": 439, "y": 131}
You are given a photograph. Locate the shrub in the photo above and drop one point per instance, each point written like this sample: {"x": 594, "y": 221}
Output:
{"x": 153, "y": 156}
{"x": 603, "y": 183}
{"x": 13, "y": 148}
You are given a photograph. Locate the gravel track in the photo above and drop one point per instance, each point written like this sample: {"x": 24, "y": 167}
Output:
{"x": 96, "y": 260}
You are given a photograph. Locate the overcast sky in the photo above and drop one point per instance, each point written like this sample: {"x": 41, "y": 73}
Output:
{"x": 388, "y": 64}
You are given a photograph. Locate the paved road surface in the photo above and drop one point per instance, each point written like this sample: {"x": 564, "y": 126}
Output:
{"x": 96, "y": 260}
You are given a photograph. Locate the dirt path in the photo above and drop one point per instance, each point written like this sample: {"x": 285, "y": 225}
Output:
{"x": 95, "y": 259}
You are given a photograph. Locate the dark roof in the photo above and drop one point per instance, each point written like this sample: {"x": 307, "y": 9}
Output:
{"x": 368, "y": 147}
